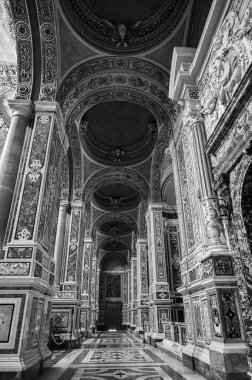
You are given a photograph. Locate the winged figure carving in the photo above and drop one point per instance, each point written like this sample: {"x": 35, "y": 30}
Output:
{"x": 122, "y": 35}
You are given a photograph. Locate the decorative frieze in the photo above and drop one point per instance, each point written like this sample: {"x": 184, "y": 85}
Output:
{"x": 15, "y": 268}
{"x": 185, "y": 198}
{"x": 73, "y": 245}
{"x": 215, "y": 316}
{"x": 229, "y": 60}
{"x": 231, "y": 319}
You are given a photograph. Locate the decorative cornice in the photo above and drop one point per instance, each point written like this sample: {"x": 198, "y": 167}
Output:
{"x": 21, "y": 107}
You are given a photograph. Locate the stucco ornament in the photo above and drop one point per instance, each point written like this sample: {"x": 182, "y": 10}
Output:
{"x": 214, "y": 228}
{"x": 122, "y": 35}
{"x": 230, "y": 57}
{"x": 193, "y": 112}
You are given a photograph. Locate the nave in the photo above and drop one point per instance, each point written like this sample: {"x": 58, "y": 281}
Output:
{"x": 116, "y": 355}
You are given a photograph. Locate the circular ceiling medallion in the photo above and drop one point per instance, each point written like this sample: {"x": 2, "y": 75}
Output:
{"x": 125, "y": 26}
{"x": 116, "y": 197}
{"x": 118, "y": 133}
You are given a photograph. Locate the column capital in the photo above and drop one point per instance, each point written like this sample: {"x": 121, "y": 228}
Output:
{"x": 47, "y": 107}
{"x": 64, "y": 203}
{"x": 21, "y": 107}
{"x": 76, "y": 204}
{"x": 154, "y": 207}
{"x": 141, "y": 241}
{"x": 88, "y": 240}
{"x": 193, "y": 113}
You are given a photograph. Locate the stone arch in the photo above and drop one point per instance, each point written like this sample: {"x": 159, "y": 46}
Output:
{"x": 76, "y": 163}
{"x": 20, "y": 27}
{"x": 123, "y": 175}
{"x": 114, "y": 216}
{"x": 120, "y": 94}
{"x": 105, "y": 176}
{"x": 39, "y": 51}
{"x": 132, "y": 72}
{"x": 109, "y": 239}
{"x": 237, "y": 178}
{"x": 164, "y": 137}
{"x": 65, "y": 183}
{"x": 239, "y": 243}
{"x": 142, "y": 219}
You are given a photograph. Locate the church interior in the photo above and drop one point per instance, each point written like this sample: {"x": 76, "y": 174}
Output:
{"x": 125, "y": 189}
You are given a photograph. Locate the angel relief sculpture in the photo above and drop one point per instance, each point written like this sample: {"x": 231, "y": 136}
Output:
{"x": 122, "y": 35}
{"x": 228, "y": 62}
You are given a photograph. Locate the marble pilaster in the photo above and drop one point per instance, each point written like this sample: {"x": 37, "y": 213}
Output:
{"x": 10, "y": 159}
{"x": 86, "y": 278}
{"x": 59, "y": 242}
{"x": 29, "y": 260}
{"x": 142, "y": 286}
{"x": 68, "y": 299}
{"x": 133, "y": 292}
{"x": 160, "y": 310}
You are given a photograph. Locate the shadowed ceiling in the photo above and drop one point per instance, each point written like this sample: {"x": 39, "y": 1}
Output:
{"x": 126, "y": 11}
{"x": 118, "y": 133}
{"x": 116, "y": 196}
{"x": 115, "y": 227}
{"x": 118, "y": 123}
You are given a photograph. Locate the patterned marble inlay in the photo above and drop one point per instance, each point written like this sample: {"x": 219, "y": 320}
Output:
{"x": 122, "y": 373}
{"x": 116, "y": 355}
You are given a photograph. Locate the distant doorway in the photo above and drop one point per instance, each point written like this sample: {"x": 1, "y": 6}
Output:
{"x": 113, "y": 314}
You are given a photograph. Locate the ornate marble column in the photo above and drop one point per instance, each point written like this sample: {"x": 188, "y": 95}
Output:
{"x": 133, "y": 292}
{"x": 212, "y": 312}
{"x": 125, "y": 299}
{"x": 10, "y": 159}
{"x": 86, "y": 278}
{"x": 29, "y": 261}
{"x": 93, "y": 279}
{"x": 215, "y": 238}
{"x": 60, "y": 238}
{"x": 142, "y": 286}
{"x": 159, "y": 288}
{"x": 69, "y": 297}
{"x": 179, "y": 206}
{"x": 129, "y": 296}
{"x": 97, "y": 292}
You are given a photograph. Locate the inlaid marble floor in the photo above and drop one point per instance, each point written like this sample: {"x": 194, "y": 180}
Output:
{"x": 116, "y": 355}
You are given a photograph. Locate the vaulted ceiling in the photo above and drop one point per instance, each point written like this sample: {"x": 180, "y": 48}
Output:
{"x": 111, "y": 79}
{"x": 119, "y": 106}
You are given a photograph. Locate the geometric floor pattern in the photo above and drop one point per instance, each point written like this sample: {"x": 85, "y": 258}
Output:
{"x": 116, "y": 356}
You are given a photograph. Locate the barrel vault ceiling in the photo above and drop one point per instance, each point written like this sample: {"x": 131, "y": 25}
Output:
{"x": 113, "y": 69}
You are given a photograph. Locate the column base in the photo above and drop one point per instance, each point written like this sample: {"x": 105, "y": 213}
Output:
{"x": 228, "y": 361}
{"x": 220, "y": 362}
{"x": 153, "y": 338}
{"x": 197, "y": 358}
{"x": 172, "y": 348}
{"x": 16, "y": 368}
{"x": 139, "y": 331}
